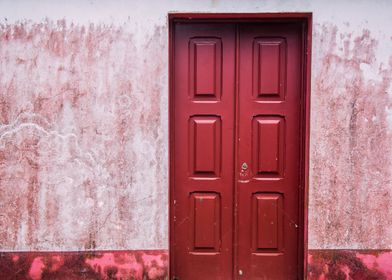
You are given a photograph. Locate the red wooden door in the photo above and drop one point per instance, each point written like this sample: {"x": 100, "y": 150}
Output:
{"x": 202, "y": 203}
{"x": 269, "y": 143}
{"x": 236, "y": 150}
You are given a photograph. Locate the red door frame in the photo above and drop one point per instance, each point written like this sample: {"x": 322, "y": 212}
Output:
{"x": 306, "y": 20}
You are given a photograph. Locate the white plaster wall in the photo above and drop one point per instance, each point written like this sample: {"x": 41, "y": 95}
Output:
{"x": 350, "y": 187}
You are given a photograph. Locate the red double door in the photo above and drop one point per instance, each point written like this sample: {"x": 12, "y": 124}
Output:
{"x": 236, "y": 151}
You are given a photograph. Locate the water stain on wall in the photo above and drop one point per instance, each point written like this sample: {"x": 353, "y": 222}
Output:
{"x": 350, "y": 194}
{"x": 82, "y": 137}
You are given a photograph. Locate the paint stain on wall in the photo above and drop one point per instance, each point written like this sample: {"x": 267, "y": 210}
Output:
{"x": 138, "y": 265}
{"x": 351, "y": 164}
{"x": 82, "y": 137}
{"x": 346, "y": 264}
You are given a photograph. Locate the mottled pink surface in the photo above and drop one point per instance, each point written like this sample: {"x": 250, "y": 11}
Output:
{"x": 351, "y": 140}
{"x": 349, "y": 264}
{"x": 82, "y": 150}
{"x": 137, "y": 265}
{"x": 381, "y": 261}
{"x": 322, "y": 264}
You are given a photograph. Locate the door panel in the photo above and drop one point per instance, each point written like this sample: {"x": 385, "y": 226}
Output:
{"x": 236, "y": 150}
{"x": 269, "y": 143}
{"x": 269, "y": 59}
{"x": 204, "y": 82}
{"x": 206, "y": 222}
{"x": 268, "y": 146}
{"x": 205, "y": 150}
{"x": 267, "y": 219}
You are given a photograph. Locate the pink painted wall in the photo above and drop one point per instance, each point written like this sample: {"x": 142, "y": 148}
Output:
{"x": 83, "y": 154}
{"x": 151, "y": 265}
{"x": 351, "y": 140}
{"x": 349, "y": 264}
{"x": 83, "y": 122}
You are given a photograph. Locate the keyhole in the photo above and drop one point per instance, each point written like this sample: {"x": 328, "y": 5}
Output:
{"x": 244, "y": 166}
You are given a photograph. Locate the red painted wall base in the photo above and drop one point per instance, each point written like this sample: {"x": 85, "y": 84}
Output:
{"x": 349, "y": 264}
{"x": 146, "y": 264}
{"x": 153, "y": 264}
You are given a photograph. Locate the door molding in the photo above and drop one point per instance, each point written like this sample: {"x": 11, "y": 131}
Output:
{"x": 306, "y": 20}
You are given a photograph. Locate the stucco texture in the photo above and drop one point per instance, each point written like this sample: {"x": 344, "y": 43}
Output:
{"x": 83, "y": 140}
{"x": 84, "y": 122}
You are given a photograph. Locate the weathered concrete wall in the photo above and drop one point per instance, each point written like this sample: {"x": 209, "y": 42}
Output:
{"x": 83, "y": 122}
{"x": 83, "y": 137}
{"x": 351, "y": 138}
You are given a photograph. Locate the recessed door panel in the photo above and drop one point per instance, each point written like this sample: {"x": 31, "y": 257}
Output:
{"x": 205, "y": 68}
{"x": 268, "y": 146}
{"x": 267, "y": 222}
{"x": 269, "y": 68}
{"x": 205, "y": 146}
{"x": 235, "y": 151}
{"x": 205, "y": 214}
